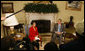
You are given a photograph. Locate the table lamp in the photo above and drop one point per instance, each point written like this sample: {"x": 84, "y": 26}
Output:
{"x": 10, "y": 21}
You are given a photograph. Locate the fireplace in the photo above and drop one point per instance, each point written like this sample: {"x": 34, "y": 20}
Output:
{"x": 45, "y": 22}
{"x": 43, "y": 25}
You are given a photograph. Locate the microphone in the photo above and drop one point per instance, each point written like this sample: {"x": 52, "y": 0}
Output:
{"x": 14, "y": 13}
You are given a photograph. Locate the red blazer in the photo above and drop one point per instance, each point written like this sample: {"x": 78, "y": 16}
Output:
{"x": 32, "y": 33}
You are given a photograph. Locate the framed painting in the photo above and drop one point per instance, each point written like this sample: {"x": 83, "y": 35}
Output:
{"x": 73, "y": 5}
{"x": 7, "y": 7}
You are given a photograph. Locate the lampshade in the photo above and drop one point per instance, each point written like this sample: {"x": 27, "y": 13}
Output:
{"x": 11, "y": 21}
{"x": 79, "y": 27}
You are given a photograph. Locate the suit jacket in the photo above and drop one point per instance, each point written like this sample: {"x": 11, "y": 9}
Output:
{"x": 56, "y": 29}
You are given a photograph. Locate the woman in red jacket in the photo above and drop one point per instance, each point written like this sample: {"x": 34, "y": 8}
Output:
{"x": 33, "y": 33}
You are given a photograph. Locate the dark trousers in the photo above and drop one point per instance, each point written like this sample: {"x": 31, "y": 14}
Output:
{"x": 59, "y": 37}
{"x": 36, "y": 43}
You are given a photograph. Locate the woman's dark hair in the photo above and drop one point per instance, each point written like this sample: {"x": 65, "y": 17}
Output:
{"x": 32, "y": 22}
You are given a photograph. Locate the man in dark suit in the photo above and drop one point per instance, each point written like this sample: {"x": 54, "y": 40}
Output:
{"x": 58, "y": 31}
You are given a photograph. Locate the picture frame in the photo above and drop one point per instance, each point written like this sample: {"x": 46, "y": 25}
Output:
{"x": 73, "y": 5}
{"x": 7, "y": 7}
